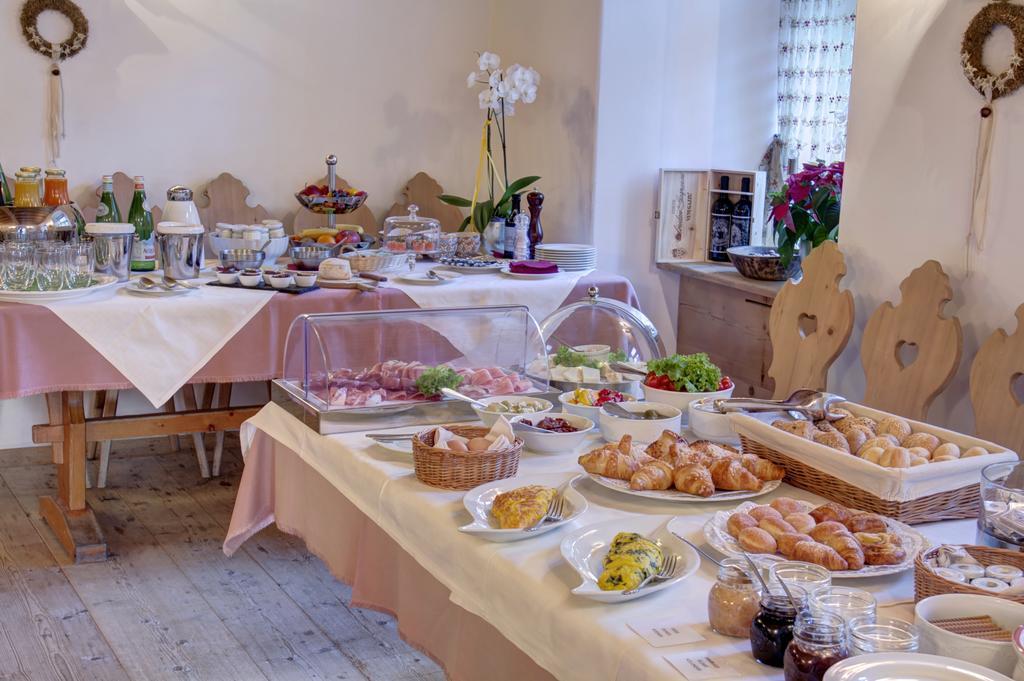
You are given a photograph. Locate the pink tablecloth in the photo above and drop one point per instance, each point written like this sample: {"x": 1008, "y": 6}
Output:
{"x": 383, "y": 576}
{"x": 42, "y": 354}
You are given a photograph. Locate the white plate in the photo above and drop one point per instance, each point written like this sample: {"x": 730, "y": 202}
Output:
{"x": 100, "y": 281}
{"x": 479, "y": 499}
{"x": 397, "y": 446}
{"x": 718, "y": 537}
{"x": 566, "y": 248}
{"x": 517, "y": 275}
{"x": 157, "y": 292}
{"x": 489, "y": 269}
{"x": 681, "y": 497}
{"x": 904, "y": 666}
{"x": 585, "y": 550}
{"x": 421, "y": 278}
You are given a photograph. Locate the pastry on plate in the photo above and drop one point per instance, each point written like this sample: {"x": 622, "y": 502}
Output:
{"x": 881, "y": 548}
{"x": 521, "y": 507}
{"x": 762, "y": 468}
{"x": 654, "y": 474}
{"x": 729, "y": 474}
{"x": 693, "y": 478}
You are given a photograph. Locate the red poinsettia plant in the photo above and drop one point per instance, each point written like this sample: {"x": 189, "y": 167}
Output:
{"x": 807, "y": 208}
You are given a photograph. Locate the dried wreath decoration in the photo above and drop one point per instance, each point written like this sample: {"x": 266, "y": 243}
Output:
{"x": 75, "y": 43}
{"x": 991, "y": 87}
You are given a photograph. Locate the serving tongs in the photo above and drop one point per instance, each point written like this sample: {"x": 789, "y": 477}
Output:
{"x": 813, "y": 404}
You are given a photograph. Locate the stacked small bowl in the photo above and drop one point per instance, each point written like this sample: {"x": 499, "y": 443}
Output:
{"x": 568, "y": 257}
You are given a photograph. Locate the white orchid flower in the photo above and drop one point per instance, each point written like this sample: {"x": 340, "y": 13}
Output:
{"x": 510, "y": 108}
{"x": 495, "y": 99}
{"x": 471, "y": 79}
{"x": 513, "y": 74}
{"x": 495, "y": 78}
{"x": 501, "y": 89}
{"x": 530, "y": 94}
{"x": 513, "y": 95}
{"x": 484, "y": 98}
{"x": 488, "y": 61}
{"x": 533, "y": 76}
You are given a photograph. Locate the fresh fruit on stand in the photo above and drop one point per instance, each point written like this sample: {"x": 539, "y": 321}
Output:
{"x": 325, "y": 239}
{"x": 347, "y": 236}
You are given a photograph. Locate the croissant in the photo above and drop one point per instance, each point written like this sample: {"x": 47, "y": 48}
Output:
{"x": 693, "y": 478}
{"x": 865, "y": 522}
{"x": 819, "y": 554}
{"x": 787, "y": 542}
{"x": 739, "y": 521}
{"x": 681, "y": 455}
{"x": 776, "y": 527}
{"x": 831, "y": 511}
{"x": 827, "y": 528}
{"x": 881, "y": 548}
{"x": 729, "y": 474}
{"x": 715, "y": 450}
{"x": 803, "y": 522}
{"x": 652, "y": 475}
{"x": 612, "y": 463}
{"x": 762, "y": 468}
{"x": 847, "y": 546}
{"x": 756, "y": 540}
{"x": 661, "y": 447}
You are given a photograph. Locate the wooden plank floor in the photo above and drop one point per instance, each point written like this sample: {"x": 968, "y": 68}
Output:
{"x": 168, "y": 604}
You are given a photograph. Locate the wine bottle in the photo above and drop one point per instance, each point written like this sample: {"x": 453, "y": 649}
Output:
{"x": 144, "y": 247}
{"x": 721, "y": 222}
{"x": 108, "y": 211}
{"x": 741, "y": 218}
{"x": 6, "y": 197}
{"x": 510, "y": 228}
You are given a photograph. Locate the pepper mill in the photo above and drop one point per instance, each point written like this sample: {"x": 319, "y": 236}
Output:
{"x": 535, "y": 200}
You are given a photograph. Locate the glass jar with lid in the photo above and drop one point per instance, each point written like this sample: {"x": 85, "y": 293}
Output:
{"x": 26, "y": 189}
{"x": 772, "y": 627}
{"x": 411, "y": 233}
{"x": 884, "y": 635}
{"x": 819, "y": 641}
{"x": 846, "y": 602}
{"x": 733, "y": 601}
{"x": 586, "y": 338}
{"x": 55, "y": 188}
{"x": 807, "y": 576}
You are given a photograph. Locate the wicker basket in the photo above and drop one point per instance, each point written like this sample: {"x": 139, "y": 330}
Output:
{"x": 951, "y": 505}
{"x": 375, "y": 261}
{"x": 927, "y": 583}
{"x": 462, "y": 470}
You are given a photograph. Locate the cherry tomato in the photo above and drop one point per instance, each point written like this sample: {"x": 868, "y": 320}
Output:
{"x": 725, "y": 383}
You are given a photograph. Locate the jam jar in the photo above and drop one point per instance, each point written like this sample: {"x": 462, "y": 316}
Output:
{"x": 772, "y": 627}
{"x": 733, "y": 600}
{"x": 819, "y": 641}
{"x": 882, "y": 636}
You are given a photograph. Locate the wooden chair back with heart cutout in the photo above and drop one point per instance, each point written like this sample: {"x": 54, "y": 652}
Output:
{"x": 423, "y": 191}
{"x": 361, "y": 216}
{"x": 995, "y": 372}
{"x": 810, "y": 323}
{"x": 225, "y": 199}
{"x": 124, "y": 189}
{"x": 903, "y": 385}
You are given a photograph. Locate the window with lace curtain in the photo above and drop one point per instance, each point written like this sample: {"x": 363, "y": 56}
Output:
{"x": 815, "y": 65}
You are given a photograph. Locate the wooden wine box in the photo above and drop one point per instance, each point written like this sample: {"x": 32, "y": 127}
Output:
{"x": 683, "y": 214}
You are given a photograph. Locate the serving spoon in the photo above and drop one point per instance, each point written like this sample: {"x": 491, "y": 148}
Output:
{"x": 812, "y": 403}
{"x": 456, "y": 395}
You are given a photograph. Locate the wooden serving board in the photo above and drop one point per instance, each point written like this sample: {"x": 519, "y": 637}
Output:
{"x": 293, "y": 289}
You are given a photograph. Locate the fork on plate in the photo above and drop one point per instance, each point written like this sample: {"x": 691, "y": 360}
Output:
{"x": 667, "y": 571}
{"x": 555, "y": 512}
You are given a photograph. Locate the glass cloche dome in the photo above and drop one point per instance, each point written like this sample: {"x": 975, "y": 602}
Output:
{"x": 589, "y": 340}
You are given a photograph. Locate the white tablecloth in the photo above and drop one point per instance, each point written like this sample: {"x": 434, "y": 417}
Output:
{"x": 179, "y": 334}
{"x": 522, "y": 588}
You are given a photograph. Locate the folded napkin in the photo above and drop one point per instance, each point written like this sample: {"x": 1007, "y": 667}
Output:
{"x": 532, "y": 267}
{"x": 500, "y": 436}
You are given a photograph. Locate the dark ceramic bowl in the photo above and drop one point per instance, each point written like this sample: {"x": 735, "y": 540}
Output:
{"x": 762, "y": 262}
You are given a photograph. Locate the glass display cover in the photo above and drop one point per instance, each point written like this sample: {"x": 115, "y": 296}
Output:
{"x": 395, "y": 359}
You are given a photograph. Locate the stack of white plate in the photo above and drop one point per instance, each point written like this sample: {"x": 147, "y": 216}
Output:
{"x": 568, "y": 257}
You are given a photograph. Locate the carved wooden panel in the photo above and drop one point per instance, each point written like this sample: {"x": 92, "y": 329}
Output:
{"x": 997, "y": 368}
{"x": 226, "y": 200}
{"x": 362, "y": 216}
{"x": 910, "y": 351}
{"x": 423, "y": 191}
{"x": 810, "y": 323}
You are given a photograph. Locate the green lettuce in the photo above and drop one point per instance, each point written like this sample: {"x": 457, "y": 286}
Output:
{"x": 689, "y": 373}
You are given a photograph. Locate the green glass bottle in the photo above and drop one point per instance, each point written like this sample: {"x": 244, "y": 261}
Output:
{"x": 144, "y": 246}
{"x": 108, "y": 211}
{"x": 6, "y": 198}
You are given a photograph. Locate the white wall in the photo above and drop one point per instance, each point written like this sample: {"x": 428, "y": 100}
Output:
{"x": 683, "y": 84}
{"x": 180, "y": 90}
{"x": 910, "y": 158}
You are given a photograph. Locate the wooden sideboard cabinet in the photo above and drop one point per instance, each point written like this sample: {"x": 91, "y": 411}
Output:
{"x": 726, "y": 315}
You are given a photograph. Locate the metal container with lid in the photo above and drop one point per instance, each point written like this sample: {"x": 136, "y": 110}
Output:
{"x": 37, "y": 223}
{"x": 180, "y": 207}
{"x": 112, "y": 247}
{"x": 411, "y": 233}
{"x": 180, "y": 248}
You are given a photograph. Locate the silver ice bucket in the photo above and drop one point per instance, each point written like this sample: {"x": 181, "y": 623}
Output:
{"x": 112, "y": 246}
{"x": 180, "y": 248}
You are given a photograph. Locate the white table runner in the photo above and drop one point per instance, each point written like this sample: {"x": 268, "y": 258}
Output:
{"x": 522, "y": 588}
{"x": 179, "y": 334}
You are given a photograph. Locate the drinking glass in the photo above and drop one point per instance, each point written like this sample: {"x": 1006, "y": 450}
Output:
{"x": 51, "y": 265}
{"x": 19, "y": 269}
{"x": 3, "y": 265}
{"x": 81, "y": 264}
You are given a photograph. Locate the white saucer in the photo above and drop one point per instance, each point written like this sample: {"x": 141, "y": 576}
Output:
{"x": 518, "y": 275}
{"x": 133, "y": 287}
{"x": 421, "y": 278}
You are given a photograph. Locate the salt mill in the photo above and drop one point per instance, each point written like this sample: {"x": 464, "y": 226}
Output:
{"x": 535, "y": 200}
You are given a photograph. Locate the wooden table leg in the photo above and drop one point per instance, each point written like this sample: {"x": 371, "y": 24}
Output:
{"x": 169, "y": 408}
{"x": 188, "y": 396}
{"x": 223, "y": 400}
{"x": 67, "y": 514}
{"x": 109, "y": 410}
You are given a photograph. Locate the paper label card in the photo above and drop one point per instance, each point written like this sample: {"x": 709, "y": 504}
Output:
{"x": 664, "y": 632}
{"x": 697, "y": 667}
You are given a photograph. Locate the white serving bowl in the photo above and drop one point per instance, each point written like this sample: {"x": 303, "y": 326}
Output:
{"x": 996, "y": 655}
{"x": 681, "y": 400}
{"x": 305, "y": 279}
{"x": 250, "y": 280}
{"x": 708, "y": 423}
{"x": 592, "y": 413}
{"x": 281, "y": 282}
{"x": 489, "y": 417}
{"x": 554, "y": 443}
{"x": 227, "y": 277}
{"x": 643, "y": 431}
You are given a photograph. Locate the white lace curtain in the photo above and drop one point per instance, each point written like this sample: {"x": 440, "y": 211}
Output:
{"x": 815, "y": 64}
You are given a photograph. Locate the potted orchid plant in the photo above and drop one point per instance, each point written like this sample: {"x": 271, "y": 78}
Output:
{"x": 503, "y": 90}
{"x": 806, "y": 210}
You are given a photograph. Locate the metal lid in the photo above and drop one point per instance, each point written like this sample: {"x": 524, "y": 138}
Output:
{"x": 179, "y": 193}
{"x": 55, "y": 172}
{"x": 178, "y": 228}
{"x": 31, "y": 169}
{"x": 109, "y": 228}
